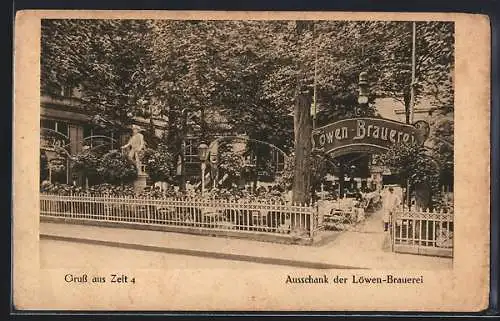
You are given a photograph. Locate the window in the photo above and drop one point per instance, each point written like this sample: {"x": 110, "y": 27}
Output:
{"x": 48, "y": 123}
{"x": 87, "y": 131}
{"x": 280, "y": 162}
{"x": 191, "y": 151}
{"x": 58, "y": 126}
{"x": 62, "y": 128}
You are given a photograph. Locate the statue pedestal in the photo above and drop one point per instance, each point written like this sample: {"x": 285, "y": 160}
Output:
{"x": 140, "y": 182}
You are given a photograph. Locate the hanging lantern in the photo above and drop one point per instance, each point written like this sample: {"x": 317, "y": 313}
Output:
{"x": 363, "y": 88}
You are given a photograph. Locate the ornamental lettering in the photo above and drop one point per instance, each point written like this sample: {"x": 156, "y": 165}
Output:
{"x": 368, "y": 133}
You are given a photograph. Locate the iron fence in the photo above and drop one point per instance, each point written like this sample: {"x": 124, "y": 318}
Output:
{"x": 204, "y": 214}
{"x": 423, "y": 232}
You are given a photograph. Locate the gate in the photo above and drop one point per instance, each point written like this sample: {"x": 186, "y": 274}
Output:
{"x": 423, "y": 232}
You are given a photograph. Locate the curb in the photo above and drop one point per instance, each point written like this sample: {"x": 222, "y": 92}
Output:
{"x": 254, "y": 236}
{"x": 207, "y": 254}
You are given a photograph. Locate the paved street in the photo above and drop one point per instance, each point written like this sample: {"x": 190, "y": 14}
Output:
{"x": 55, "y": 254}
{"x": 364, "y": 247}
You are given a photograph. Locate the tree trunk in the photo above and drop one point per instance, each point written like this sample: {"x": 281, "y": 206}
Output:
{"x": 303, "y": 146}
{"x": 423, "y": 196}
{"x": 407, "y": 101}
{"x": 341, "y": 183}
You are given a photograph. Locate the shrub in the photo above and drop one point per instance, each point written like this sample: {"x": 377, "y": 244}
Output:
{"x": 86, "y": 163}
{"x": 159, "y": 163}
{"x": 111, "y": 190}
{"x": 59, "y": 189}
{"x": 115, "y": 168}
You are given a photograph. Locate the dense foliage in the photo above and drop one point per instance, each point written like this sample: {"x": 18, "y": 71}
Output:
{"x": 250, "y": 72}
{"x": 440, "y": 143}
{"x": 414, "y": 164}
{"x": 321, "y": 166}
{"x": 246, "y": 69}
{"x": 108, "y": 59}
{"x": 159, "y": 163}
{"x": 115, "y": 168}
{"x": 434, "y": 63}
{"x": 230, "y": 162}
{"x": 86, "y": 163}
{"x": 96, "y": 190}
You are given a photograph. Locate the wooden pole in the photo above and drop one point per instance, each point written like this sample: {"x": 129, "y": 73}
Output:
{"x": 315, "y": 83}
{"x": 413, "y": 62}
{"x": 303, "y": 147}
{"x": 182, "y": 184}
{"x": 412, "y": 98}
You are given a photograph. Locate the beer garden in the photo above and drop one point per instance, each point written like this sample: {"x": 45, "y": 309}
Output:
{"x": 266, "y": 174}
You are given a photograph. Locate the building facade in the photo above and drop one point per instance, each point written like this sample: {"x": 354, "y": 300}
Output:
{"x": 65, "y": 123}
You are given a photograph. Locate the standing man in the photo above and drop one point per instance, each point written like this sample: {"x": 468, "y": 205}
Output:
{"x": 390, "y": 201}
{"x": 136, "y": 144}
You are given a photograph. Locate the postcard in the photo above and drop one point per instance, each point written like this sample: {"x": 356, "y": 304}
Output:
{"x": 251, "y": 161}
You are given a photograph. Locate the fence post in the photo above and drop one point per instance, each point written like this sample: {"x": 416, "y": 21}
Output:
{"x": 311, "y": 221}
{"x": 148, "y": 202}
{"x": 392, "y": 230}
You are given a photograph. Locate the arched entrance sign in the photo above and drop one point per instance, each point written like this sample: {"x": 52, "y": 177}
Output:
{"x": 365, "y": 135}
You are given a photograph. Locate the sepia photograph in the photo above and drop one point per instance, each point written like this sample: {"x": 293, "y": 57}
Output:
{"x": 331, "y": 135}
{"x": 246, "y": 162}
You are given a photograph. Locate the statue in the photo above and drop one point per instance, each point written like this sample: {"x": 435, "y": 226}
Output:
{"x": 136, "y": 144}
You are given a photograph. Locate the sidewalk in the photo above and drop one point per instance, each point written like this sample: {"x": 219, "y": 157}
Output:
{"x": 357, "y": 249}
{"x": 367, "y": 236}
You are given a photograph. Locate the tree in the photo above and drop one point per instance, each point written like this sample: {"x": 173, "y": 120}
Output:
{"x": 188, "y": 75}
{"x": 434, "y": 62}
{"x": 414, "y": 165}
{"x": 303, "y": 149}
{"x": 440, "y": 144}
{"x": 246, "y": 70}
{"x": 330, "y": 57}
{"x": 109, "y": 60}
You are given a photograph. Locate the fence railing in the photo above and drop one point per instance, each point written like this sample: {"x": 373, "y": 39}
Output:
{"x": 203, "y": 214}
{"x": 423, "y": 232}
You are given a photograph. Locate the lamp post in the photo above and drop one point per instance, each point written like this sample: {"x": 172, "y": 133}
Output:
{"x": 202, "y": 154}
{"x": 363, "y": 91}
{"x": 182, "y": 160}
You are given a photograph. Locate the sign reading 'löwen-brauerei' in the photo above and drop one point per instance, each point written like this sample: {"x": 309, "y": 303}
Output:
{"x": 371, "y": 133}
